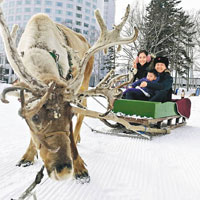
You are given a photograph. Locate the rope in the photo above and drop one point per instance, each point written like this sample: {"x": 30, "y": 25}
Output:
{"x": 99, "y": 102}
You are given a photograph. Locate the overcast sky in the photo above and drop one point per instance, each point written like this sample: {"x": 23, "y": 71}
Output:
{"x": 121, "y": 6}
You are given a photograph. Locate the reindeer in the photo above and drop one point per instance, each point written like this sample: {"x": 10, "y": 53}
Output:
{"x": 53, "y": 89}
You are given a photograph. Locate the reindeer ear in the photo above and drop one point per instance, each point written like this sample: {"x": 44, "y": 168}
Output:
{"x": 148, "y": 58}
{"x": 137, "y": 60}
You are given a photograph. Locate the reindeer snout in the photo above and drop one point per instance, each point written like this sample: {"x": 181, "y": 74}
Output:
{"x": 60, "y": 167}
{"x": 62, "y": 171}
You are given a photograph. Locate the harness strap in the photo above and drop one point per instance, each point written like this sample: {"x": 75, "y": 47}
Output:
{"x": 55, "y": 56}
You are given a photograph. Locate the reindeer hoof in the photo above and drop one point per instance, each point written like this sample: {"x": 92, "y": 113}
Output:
{"x": 24, "y": 163}
{"x": 82, "y": 178}
{"x": 80, "y": 172}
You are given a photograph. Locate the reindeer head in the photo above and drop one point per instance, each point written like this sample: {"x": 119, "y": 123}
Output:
{"x": 48, "y": 110}
{"x": 50, "y": 122}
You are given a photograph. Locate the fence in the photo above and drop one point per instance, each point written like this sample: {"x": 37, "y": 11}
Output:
{"x": 193, "y": 82}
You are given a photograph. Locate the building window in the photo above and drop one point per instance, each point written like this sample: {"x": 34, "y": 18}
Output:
{"x": 10, "y": 18}
{"x": 93, "y": 20}
{"x": 18, "y": 17}
{"x": 18, "y": 10}
{"x": 69, "y": 13}
{"x": 5, "y": 5}
{"x": 94, "y": 6}
{"x": 26, "y": 17}
{"x": 37, "y": 10}
{"x": 19, "y": 2}
{"x": 27, "y": 9}
{"x": 95, "y": 1}
{"x": 38, "y": 2}
{"x": 59, "y": 12}
{"x": 59, "y": 4}
{"x": 88, "y": 4}
{"x": 78, "y": 23}
{"x": 87, "y": 11}
{"x": 58, "y": 19}
{"x": 78, "y": 15}
{"x": 11, "y": 4}
{"x": 47, "y": 10}
{"x": 69, "y": 6}
{"x": 77, "y": 30}
{"x": 11, "y": 11}
{"x": 68, "y": 21}
{"x": 85, "y": 32}
{"x": 79, "y": 1}
{"x": 78, "y": 8}
{"x": 28, "y": 2}
{"x": 48, "y": 3}
{"x": 87, "y": 18}
{"x": 86, "y": 25}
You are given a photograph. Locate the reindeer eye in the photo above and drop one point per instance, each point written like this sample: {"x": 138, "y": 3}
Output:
{"x": 36, "y": 118}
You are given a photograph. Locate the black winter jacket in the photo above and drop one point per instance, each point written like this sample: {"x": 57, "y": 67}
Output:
{"x": 141, "y": 71}
{"x": 163, "y": 88}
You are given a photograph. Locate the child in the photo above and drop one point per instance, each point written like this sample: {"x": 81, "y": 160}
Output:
{"x": 141, "y": 93}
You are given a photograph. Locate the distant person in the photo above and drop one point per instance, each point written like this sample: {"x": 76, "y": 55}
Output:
{"x": 138, "y": 93}
{"x": 142, "y": 64}
{"x": 182, "y": 94}
{"x": 162, "y": 88}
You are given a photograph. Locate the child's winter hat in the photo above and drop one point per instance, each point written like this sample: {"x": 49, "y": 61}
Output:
{"x": 161, "y": 59}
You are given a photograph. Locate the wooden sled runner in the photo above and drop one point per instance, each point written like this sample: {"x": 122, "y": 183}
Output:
{"x": 151, "y": 118}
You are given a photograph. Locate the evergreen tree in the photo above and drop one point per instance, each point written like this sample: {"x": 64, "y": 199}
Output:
{"x": 109, "y": 59}
{"x": 168, "y": 32}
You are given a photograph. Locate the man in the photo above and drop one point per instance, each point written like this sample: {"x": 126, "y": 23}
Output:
{"x": 163, "y": 88}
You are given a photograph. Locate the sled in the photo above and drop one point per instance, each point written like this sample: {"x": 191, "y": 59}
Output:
{"x": 146, "y": 117}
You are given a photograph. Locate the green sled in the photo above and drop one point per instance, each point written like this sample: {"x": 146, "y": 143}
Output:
{"x": 145, "y": 108}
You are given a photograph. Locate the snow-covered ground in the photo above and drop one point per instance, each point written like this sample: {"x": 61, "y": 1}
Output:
{"x": 165, "y": 168}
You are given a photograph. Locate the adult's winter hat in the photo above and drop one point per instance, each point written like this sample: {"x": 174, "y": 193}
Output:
{"x": 161, "y": 59}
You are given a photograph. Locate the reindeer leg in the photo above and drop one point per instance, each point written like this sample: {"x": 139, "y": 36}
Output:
{"x": 80, "y": 171}
{"x": 84, "y": 87}
{"x": 28, "y": 158}
{"x": 77, "y": 137}
{"x": 79, "y": 122}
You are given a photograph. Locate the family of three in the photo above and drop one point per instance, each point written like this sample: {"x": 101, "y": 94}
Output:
{"x": 154, "y": 84}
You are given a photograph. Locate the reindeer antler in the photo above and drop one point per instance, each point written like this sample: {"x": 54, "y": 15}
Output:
{"x": 12, "y": 54}
{"x": 106, "y": 86}
{"x": 107, "y": 39}
{"x": 27, "y": 113}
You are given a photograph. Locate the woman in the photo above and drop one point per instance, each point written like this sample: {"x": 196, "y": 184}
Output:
{"x": 141, "y": 63}
{"x": 163, "y": 88}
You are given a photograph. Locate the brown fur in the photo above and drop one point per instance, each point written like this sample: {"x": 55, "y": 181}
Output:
{"x": 66, "y": 160}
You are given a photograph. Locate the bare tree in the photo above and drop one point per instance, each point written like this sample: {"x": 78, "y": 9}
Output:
{"x": 136, "y": 19}
{"x": 195, "y": 16}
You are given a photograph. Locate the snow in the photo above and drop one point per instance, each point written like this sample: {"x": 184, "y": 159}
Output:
{"x": 165, "y": 168}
